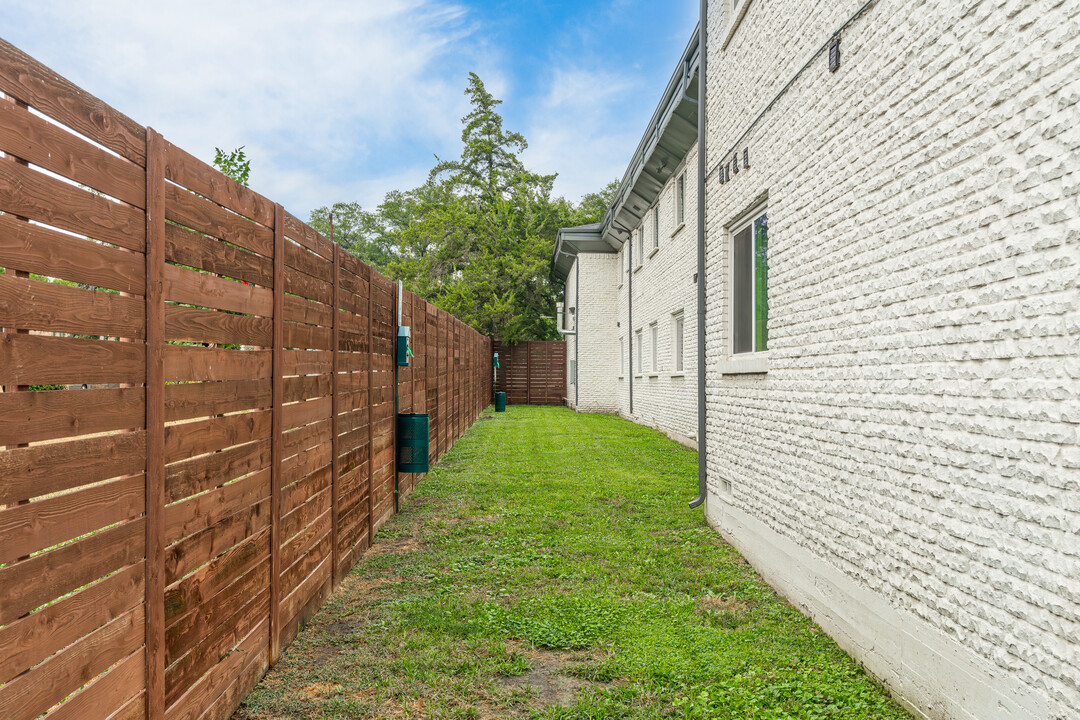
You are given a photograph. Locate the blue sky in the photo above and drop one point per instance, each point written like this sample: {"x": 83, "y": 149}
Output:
{"x": 345, "y": 100}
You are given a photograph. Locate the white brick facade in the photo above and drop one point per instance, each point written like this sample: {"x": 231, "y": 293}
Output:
{"x": 664, "y": 291}
{"x": 663, "y": 288}
{"x": 907, "y": 467}
{"x": 595, "y": 320}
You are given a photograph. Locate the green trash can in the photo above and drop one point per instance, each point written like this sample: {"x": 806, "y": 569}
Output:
{"x": 500, "y": 402}
{"x": 412, "y": 442}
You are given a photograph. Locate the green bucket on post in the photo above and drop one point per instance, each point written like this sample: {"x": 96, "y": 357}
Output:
{"x": 500, "y": 402}
{"x": 412, "y": 442}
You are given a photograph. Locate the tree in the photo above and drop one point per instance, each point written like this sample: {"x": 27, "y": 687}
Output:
{"x": 234, "y": 164}
{"x": 489, "y": 163}
{"x": 356, "y": 230}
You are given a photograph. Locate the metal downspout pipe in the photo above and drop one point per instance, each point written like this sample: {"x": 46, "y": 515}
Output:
{"x": 577, "y": 338}
{"x": 703, "y": 54}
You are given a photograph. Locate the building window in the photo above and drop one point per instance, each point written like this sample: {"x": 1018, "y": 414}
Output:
{"x": 640, "y": 246}
{"x": 654, "y": 338}
{"x": 637, "y": 339}
{"x": 680, "y": 200}
{"x": 677, "y": 342}
{"x": 656, "y": 227}
{"x": 749, "y": 291}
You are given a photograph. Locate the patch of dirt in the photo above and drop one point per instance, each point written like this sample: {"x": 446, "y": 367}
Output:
{"x": 395, "y": 546}
{"x": 722, "y": 605}
{"x": 548, "y": 681}
{"x": 317, "y": 691}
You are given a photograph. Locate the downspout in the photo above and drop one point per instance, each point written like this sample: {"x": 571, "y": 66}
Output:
{"x": 630, "y": 311}
{"x": 703, "y": 55}
{"x": 577, "y": 338}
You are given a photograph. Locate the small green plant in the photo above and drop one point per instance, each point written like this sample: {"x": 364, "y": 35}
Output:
{"x": 235, "y": 164}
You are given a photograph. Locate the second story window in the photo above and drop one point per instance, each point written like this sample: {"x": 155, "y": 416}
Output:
{"x": 750, "y": 286}
{"x": 680, "y": 200}
{"x": 656, "y": 227}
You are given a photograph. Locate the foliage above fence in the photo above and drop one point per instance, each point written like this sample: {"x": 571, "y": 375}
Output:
{"x": 222, "y": 447}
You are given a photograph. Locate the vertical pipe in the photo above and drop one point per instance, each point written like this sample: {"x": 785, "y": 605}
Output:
{"x": 577, "y": 336}
{"x": 155, "y": 425}
{"x": 630, "y": 312}
{"x": 703, "y": 54}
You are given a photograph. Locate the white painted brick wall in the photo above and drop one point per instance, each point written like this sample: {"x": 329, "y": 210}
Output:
{"x": 917, "y": 429}
{"x": 663, "y": 285}
{"x": 595, "y": 319}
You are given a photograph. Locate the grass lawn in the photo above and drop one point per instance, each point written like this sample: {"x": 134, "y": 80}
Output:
{"x": 549, "y": 568}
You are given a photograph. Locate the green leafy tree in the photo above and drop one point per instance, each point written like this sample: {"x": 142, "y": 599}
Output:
{"x": 356, "y": 230}
{"x": 234, "y": 164}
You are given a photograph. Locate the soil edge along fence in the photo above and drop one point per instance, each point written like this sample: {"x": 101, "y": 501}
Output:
{"x": 198, "y": 417}
{"x": 533, "y": 372}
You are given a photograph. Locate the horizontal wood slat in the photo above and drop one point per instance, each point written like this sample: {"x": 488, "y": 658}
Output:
{"x": 36, "y": 249}
{"x": 48, "y": 307}
{"x": 27, "y": 80}
{"x": 37, "y": 196}
{"x": 42, "y": 360}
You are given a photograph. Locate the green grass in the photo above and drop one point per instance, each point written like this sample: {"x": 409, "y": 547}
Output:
{"x": 550, "y": 568}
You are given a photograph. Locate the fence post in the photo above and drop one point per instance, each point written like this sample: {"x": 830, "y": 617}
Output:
{"x": 371, "y": 409}
{"x": 276, "y": 450}
{"x": 155, "y": 425}
{"x": 335, "y": 467}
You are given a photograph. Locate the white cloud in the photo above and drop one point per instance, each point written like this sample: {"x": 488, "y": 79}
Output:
{"x": 578, "y": 130}
{"x": 320, "y": 85}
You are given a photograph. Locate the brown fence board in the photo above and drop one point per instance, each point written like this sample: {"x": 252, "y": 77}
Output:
{"x": 187, "y": 247}
{"x": 185, "y": 169}
{"x": 31, "y": 527}
{"x": 32, "y": 639}
{"x": 201, "y": 215}
{"x": 195, "y": 288}
{"x": 36, "y": 249}
{"x": 42, "y": 360}
{"x": 26, "y": 79}
{"x": 47, "y": 145}
{"x": 35, "y": 305}
{"x": 34, "y": 195}
{"x": 533, "y": 373}
{"x": 193, "y": 505}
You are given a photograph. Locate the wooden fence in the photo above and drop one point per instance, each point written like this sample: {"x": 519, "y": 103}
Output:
{"x": 222, "y": 449}
{"x": 533, "y": 373}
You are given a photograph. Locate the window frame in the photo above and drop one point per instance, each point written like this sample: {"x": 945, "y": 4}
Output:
{"x": 680, "y": 200}
{"x": 638, "y": 334}
{"x": 654, "y": 339}
{"x": 678, "y": 339}
{"x": 656, "y": 227}
{"x": 640, "y": 247}
{"x": 753, "y": 360}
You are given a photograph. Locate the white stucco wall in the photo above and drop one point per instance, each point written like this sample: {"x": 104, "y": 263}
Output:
{"x": 907, "y": 469}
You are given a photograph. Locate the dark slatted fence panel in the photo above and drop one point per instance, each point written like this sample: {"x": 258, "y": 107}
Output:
{"x": 197, "y": 430}
{"x": 533, "y": 373}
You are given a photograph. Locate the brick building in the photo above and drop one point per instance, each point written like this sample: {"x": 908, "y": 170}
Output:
{"x": 631, "y": 284}
{"x": 892, "y": 287}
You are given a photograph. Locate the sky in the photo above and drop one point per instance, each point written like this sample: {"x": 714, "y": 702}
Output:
{"x": 346, "y": 100}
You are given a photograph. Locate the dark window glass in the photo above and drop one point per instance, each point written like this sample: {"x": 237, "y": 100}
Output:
{"x": 742, "y": 291}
